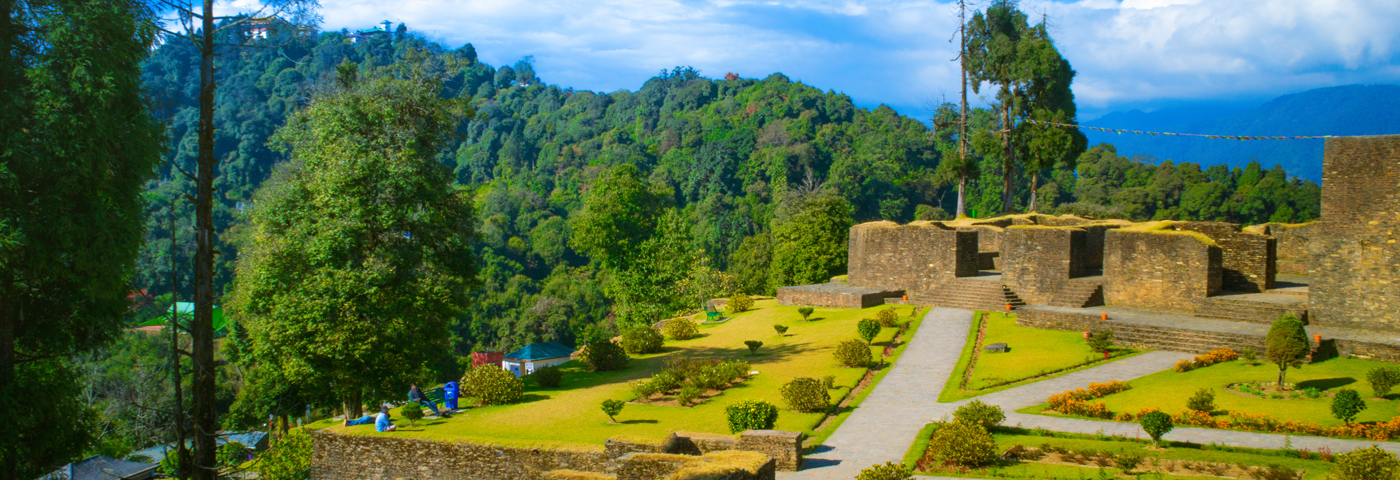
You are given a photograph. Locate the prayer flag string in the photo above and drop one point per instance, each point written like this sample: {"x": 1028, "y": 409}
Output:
{"x": 1121, "y": 131}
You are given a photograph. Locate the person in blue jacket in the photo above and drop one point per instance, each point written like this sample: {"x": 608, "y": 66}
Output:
{"x": 382, "y": 422}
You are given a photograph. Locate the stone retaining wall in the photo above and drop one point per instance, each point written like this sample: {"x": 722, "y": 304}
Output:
{"x": 1293, "y": 257}
{"x": 916, "y": 257}
{"x": 834, "y": 295}
{"x": 1247, "y": 259}
{"x": 1355, "y": 270}
{"x": 1041, "y": 260}
{"x": 1159, "y": 270}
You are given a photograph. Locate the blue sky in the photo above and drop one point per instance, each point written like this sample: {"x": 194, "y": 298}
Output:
{"x": 1143, "y": 54}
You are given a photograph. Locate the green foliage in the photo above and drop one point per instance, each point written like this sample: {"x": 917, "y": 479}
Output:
{"x": 888, "y": 317}
{"x": 852, "y": 353}
{"x": 1275, "y": 471}
{"x": 868, "y": 328}
{"x": 1287, "y": 344}
{"x": 962, "y": 444}
{"x": 750, "y": 263}
{"x": 612, "y": 408}
{"x": 1156, "y": 424}
{"x": 232, "y": 454}
{"x": 751, "y": 415}
{"x": 642, "y": 339}
{"x": 987, "y": 416}
{"x": 806, "y": 395}
{"x": 286, "y": 458}
{"x": 1101, "y": 340}
{"x": 412, "y": 412}
{"x": 886, "y": 471}
{"x": 809, "y": 239}
{"x": 1250, "y": 356}
{"x": 681, "y": 329}
{"x": 739, "y": 303}
{"x": 1383, "y": 379}
{"x": 1347, "y": 404}
{"x": 548, "y": 377}
{"x": 829, "y": 381}
{"x": 805, "y": 312}
{"x": 492, "y": 386}
{"x": 1370, "y": 463}
{"x": 1203, "y": 401}
{"x": 780, "y": 328}
{"x": 753, "y": 346}
{"x": 687, "y": 395}
{"x": 604, "y": 356}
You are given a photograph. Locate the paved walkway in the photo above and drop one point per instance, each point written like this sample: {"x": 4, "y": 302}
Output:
{"x": 887, "y": 422}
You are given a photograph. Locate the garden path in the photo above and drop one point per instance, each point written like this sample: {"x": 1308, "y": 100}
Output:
{"x": 887, "y": 422}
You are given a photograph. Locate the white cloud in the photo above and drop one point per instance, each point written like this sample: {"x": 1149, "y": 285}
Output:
{"x": 898, "y": 52}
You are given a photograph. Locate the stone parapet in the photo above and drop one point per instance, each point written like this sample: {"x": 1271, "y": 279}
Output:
{"x": 914, "y": 257}
{"x": 834, "y": 295}
{"x": 1247, "y": 259}
{"x": 1041, "y": 260}
{"x": 1159, "y": 269}
{"x": 1293, "y": 257}
{"x": 368, "y": 457}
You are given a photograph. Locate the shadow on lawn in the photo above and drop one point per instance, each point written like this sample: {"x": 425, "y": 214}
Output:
{"x": 630, "y": 422}
{"x": 1326, "y": 383}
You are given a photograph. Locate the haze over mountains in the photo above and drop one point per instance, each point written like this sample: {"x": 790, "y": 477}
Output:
{"x": 1344, "y": 110}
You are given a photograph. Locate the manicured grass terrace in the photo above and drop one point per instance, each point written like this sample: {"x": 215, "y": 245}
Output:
{"x": 1169, "y": 390}
{"x": 570, "y": 416}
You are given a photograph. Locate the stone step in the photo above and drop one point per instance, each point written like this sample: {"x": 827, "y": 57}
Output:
{"x": 1246, "y": 311}
{"x": 1079, "y": 295}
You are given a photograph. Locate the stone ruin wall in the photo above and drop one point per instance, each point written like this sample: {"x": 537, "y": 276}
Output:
{"x": 1293, "y": 240}
{"x": 915, "y": 258}
{"x": 374, "y": 457}
{"x": 1355, "y": 280}
{"x": 1247, "y": 259}
{"x": 1159, "y": 270}
{"x": 1040, "y": 260}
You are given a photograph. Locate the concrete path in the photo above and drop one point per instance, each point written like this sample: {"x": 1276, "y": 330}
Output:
{"x": 887, "y": 422}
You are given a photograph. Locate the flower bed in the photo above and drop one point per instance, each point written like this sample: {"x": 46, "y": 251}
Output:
{"x": 1201, "y": 361}
{"x": 1076, "y": 402}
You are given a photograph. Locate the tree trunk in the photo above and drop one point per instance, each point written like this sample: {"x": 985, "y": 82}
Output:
{"x": 1282, "y": 369}
{"x": 351, "y": 405}
{"x": 202, "y": 327}
{"x": 1035, "y": 180}
{"x": 962, "y": 119}
{"x": 962, "y": 206}
{"x": 8, "y": 313}
{"x": 182, "y": 454}
{"x": 1009, "y": 163}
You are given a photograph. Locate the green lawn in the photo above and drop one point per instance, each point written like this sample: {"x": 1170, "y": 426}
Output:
{"x": 1006, "y": 437}
{"x": 570, "y": 416}
{"x": 1170, "y": 390}
{"x": 1031, "y": 352}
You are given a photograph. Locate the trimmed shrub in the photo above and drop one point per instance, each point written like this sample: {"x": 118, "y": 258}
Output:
{"x": 612, "y": 408}
{"x": 1156, "y": 424}
{"x": 753, "y": 346}
{"x": 852, "y": 353}
{"x": 806, "y": 395}
{"x": 868, "y": 329}
{"x": 1347, "y": 404}
{"x": 887, "y": 317}
{"x": 887, "y": 471}
{"x": 829, "y": 381}
{"x": 412, "y": 412}
{"x": 1383, "y": 379}
{"x": 681, "y": 329}
{"x": 1250, "y": 356}
{"x": 1370, "y": 463}
{"x": 492, "y": 386}
{"x": 1203, "y": 401}
{"x": 781, "y": 329}
{"x": 687, "y": 395}
{"x": 987, "y": 416}
{"x": 962, "y": 444}
{"x": 548, "y": 377}
{"x": 1101, "y": 340}
{"x": 739, "y": 303}
{"x": 1288, "y": 344}
{"x": 604, "y": 356}
{"x": 751, "y": 415}
{"x": 805, "y": 312}
{"x": 642, "y": 340}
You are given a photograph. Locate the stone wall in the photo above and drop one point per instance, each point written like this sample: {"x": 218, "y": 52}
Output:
{"x": 368, "y": 457}
{"x": 1247, "y": 259}
{"x": 730, "y": 465}
{"x": 1040, "y": 260}
{"x": 1355, "y": 279}
{"x": 834, "y": 295}
{"x": 1094, "y": 236}
{"x": 1293, "y": 257}
{"x": 914, "y": 258}
{"x": 988, "y": 245}
{"x": 1159, "y": 270}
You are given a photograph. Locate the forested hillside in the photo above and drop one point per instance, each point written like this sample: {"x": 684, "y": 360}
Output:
{"x": 745, "y": 170}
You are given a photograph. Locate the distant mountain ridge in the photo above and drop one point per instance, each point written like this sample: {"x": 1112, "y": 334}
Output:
{"x": 1344, "y": 110}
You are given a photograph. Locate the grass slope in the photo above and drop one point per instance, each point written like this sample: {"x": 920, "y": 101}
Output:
{"x": 570, "y": 415}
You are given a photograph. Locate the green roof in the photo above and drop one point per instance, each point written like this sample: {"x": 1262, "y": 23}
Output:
{"x": 541, "y": 351}
{"x": 187, "y": 311}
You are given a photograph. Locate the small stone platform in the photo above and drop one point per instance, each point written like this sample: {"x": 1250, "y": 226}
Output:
{"x": 835, "y": 295}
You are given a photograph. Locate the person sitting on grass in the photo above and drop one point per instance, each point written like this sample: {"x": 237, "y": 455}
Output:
{"x": 382, "y": 423}
{"x": 417, "y": 396}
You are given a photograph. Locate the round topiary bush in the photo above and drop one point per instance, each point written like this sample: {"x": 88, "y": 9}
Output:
{"x": 603, "y": 356}
{"x": 1156, "y": 424}
{"x": 853, "y": 353}
{"x": 1370, "y": 463}
{"x": 887, "y": 317}
{"x": 681, "y": 329}
{"x": 548, "y": 377}
{"x": 1203, "y": 401}
{"x": 751, "y": 415}
{"x": 868, "y": 329}
{"x": 412, "y": 412}
{"x": 987, "y": 416}
{"x": 806, "y": 395}
{"x": 739, "y": 303}
{"x": 962, "y": 444}
{"x": 492, "y": 386}
{"x": 642, "y": 340}
{"x": 887, "y": 471}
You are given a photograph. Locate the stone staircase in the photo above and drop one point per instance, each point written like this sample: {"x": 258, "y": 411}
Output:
{"x": 1224, "y": 308}
{"x": 971, "y": 294}
{"x": 1181, "y": 339}
{"x": 1079, "y": 294}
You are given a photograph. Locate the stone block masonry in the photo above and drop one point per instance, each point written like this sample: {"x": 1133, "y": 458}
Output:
{"x": 1159, "y": 270}
{"x": 1041, "y": 260}
{"x": 1293, "y": 240}
{"x": 914, "y": 258}
{"x": 1355, "y": 279}
{"x": 834, "y": 295}
{"x": 1247, "y": 259}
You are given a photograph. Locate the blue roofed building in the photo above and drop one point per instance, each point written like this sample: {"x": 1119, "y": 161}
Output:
{"x": 99, "y": 467}
{"x": 255, "y": 440}
{"x": 536, "y": 356}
